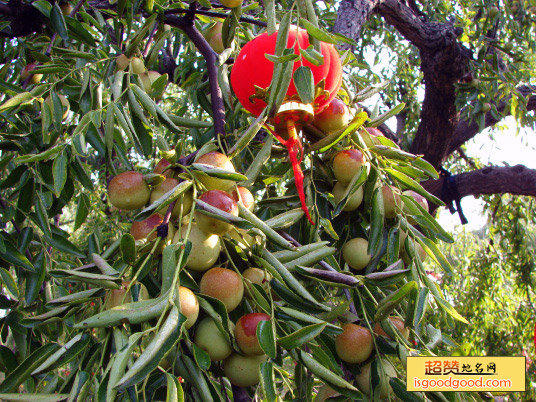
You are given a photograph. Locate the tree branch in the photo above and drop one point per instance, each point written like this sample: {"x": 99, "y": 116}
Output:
{"x": 214, "y": 14}
{"x": 518, "y": 180}
{"x": 465, "y": 130}
{"x": 444, "y": 61}
{"x": 427, "y": 36}
{"x": 351, "y": 15}
{"x": 211, "y": 58}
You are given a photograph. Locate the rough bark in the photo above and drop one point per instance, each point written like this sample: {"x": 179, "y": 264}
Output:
{"x": 351, "y": 16}
{"x": 443, "y": 63}
{"x": 518, "y": 180}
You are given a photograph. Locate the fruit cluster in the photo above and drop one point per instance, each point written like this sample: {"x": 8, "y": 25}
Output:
{"x": 129, "y": 191}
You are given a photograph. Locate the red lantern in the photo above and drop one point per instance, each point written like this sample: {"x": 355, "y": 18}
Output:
{"x": 252, "y": 74}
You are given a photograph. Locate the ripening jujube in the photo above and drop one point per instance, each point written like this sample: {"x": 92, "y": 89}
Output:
{"x": 128, "y": 191}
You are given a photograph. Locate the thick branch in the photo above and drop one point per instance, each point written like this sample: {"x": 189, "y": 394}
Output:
{"x": 427, "y": 36}
{"x": 465, "y": 130}
{"x": 211, "y": 58}
{"x": 351, "y": 16}
{"x": 518, "y": 180}
{"x": 443, "y": 63}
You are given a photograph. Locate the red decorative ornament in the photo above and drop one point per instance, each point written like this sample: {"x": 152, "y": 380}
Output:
{"x": 251, "y": 77}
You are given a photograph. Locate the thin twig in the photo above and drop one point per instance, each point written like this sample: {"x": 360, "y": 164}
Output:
{"x": 214, "y": 14}
{"x": 324, "y": 265}
{"x": 150, "y": 40}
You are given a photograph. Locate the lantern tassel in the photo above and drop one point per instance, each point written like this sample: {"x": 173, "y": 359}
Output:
{"x": 294, "y": 145}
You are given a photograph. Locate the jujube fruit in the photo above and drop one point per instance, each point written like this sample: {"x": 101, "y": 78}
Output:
{"x": 222, "y": 201}
{"x": 137, "y": 66}
{"x": 243, "y": 371}
{"x": 184, "y": 202}
{"x": 213, "y": 36}
{"x": 220, "y": 161}
{"x": 224, "y": 285}
{"x": 128, "y": 191}
{"x": 387, "y": 371}
{"x": 414, "y": 246}
{"x": 392, "y": 203}
{"x": 398, "y": 323}
{"x": 370, "y": 136}
{"x": 353, "y": 202}
{"x": 347, "y": 164}
{"x": 25, "y": 73}
{"x": 355, "y": 344}
{"x": 256, "y": 276}
{"x": 205, "y": 247}
{"x": 246, "y": 333}
{"x": 209, "y": 338}
{"x": 246, "y": 198}
{"x": 66, "y": 8}
{"x": 335, "y": 117}
{"x": 147, "y": 80}
{"x": 64, "y": 105}
{"x": 355, "y": 253}
{"x": 231, "y": 3}
{"x": 189, "y": 306}
{"x": 161, "y": 166}
{"x": 141, "y": 229}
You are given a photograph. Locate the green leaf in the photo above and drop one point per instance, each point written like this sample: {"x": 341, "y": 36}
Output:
{"x": 82, "y": 211}
{"x": 266, "y": 337}
{"x": 201, "y": 357}
{"x": 62, "y": 244}
{"x": 212, "y": 171}
{"x": 267, "y": 381}
{"x": 140, "y": 35}
{"x": 408, "y": 182}
{"x": 302, "y": 336}
{"x": 24, "y": 370}
{"x": 312, "y": 56}
{"x": 376, "y": 225}
{"x": 323, "y": 372}
{"x": 387, "y": 115}
{"x": 248, "y": 135}
{"x": 43, "y": 156}
{"x": 34, "y": 280}
{"x": 19, "y": 99}
{"x": 317, "y": 33}
{"x": 59, "y": 170}
{"x": 332, "y": 139}
{"x": 9, "y": 283}
{"x": 58, "y": 22}
{"x": 166, "y": 337}
{"x": 174, "y": 389}
{"x": 128, "y": 248}
{"x": 13, "y": 256}
{"x": 65, "y": 354}
{"x": 42, "y": 216}
{"x": 83, "y": 33}
{"x": 304, "y": 82}
{"x": 389, "y": 303}
{"x": 34, "y": 397}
